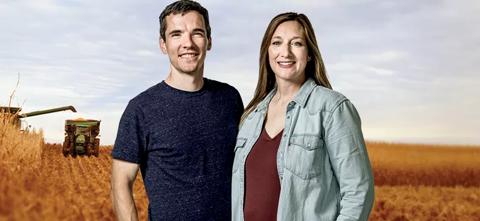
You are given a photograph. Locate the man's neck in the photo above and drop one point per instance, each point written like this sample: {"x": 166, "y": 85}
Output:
{"x": 185, "y": 82}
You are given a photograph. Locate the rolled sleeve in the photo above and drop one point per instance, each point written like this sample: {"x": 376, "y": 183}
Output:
{"x": 348, "y": 154}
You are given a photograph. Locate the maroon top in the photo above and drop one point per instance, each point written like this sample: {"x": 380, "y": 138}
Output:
{"x": 262, "y": 184}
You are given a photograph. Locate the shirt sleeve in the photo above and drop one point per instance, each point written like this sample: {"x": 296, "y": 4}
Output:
{"x": 348, "y": 154}
{"x": 130, "y": 142}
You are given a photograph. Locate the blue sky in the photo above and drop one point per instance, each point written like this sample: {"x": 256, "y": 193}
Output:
{"x": 410, "y": 67}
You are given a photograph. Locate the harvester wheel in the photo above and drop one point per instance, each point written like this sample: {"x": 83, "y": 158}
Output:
{"x": 91, "y": 149}
{"x": 65, "y": 148}
{"x": 97, "y": 147}
{"x": 73, "y": 151}
{"x": 87, "y": 149}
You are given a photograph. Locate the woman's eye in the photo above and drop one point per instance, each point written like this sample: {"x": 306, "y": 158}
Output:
{"x": 297, "y": 44}
{"x": 276, "y": 43}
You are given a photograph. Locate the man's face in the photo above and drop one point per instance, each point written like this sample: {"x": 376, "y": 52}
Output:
{"x": 185, "y": 42}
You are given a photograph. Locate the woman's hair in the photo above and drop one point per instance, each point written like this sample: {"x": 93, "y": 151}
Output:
{"x": 266, "y": 80}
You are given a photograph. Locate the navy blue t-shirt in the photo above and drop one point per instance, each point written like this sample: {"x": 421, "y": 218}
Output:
{"x": 184, "y": 143}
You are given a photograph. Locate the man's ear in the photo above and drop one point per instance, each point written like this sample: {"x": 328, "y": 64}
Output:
{"x": 209, "y": 46}
{"x": 163, "y": 47}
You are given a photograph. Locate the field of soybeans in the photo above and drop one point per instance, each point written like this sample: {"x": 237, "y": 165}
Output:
{"x": 412, "y": 182}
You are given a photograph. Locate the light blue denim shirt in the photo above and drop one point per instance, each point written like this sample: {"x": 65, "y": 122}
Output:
{"x": 322, "y": 162}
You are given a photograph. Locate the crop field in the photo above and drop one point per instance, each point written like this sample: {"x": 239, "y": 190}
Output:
{"x": 61, "y": 188}
{"x": 413, "y": 182}
{"x": 421, "y": 182}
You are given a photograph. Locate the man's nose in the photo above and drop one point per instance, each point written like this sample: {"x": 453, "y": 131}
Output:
{"x": 187, "y": 41}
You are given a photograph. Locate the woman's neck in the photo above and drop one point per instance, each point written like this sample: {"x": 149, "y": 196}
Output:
{"x": 286, "y": 90}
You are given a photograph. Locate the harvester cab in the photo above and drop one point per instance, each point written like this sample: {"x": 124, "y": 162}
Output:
{"x": 81, "y": 137}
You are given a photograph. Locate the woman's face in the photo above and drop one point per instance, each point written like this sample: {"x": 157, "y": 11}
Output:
{"x": 288, "y": 52}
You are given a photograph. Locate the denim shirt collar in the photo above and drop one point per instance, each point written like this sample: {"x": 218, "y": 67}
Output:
{"x": 301, "y": 98}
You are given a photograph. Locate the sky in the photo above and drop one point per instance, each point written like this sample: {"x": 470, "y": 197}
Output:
{"x": 409, "y": 67}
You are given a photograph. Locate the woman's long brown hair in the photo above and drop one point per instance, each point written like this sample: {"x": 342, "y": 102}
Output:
{"x": 266, "y": 80}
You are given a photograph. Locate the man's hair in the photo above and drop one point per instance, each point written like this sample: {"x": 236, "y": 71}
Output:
{"x": 182, "y": 7}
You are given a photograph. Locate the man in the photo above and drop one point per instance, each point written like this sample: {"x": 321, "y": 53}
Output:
{"x": 181, "y": 132}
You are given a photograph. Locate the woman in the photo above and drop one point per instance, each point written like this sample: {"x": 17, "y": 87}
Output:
{"x": 300, "y": 152}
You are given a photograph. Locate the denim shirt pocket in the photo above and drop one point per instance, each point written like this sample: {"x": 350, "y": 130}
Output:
{"x": 305, "y": 155}
{"x": 240, "y": 144}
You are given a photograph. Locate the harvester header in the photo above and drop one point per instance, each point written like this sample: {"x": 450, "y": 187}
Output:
{"x": 14, "y": 112}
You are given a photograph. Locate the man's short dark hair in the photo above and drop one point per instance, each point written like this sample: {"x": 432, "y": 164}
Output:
{"x": 183, "y": 6}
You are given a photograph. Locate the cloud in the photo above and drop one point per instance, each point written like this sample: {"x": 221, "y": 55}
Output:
{"x": 410, "y": 67}
{"x": 388, "y": 56}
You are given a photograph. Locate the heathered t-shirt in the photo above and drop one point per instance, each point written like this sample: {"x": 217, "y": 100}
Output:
{"x": 184, "y": 143}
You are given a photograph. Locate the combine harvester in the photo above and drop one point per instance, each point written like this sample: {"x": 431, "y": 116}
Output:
{"x": 80, "y": 134}
{"x": 81, "y": 137}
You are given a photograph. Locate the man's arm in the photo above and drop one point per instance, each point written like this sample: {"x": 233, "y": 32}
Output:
{"x": 123, "y": 176}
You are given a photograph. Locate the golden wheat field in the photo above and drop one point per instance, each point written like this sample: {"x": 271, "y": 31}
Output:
{"x": 413, "y": 182}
